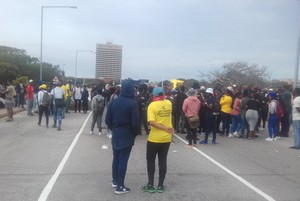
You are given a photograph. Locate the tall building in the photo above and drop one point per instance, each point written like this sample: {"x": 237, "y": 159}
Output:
{"x": 108, "y": 62}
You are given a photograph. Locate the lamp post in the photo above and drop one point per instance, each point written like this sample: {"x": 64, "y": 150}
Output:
{"x": 297, "y": 62}
{"x": 41, "y": 49}
{"x": 76, "y": 62}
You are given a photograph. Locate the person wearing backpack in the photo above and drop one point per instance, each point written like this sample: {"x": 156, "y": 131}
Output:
{"x": 97, "y": 106}
{"x": 44, "y": 100}
{"x": 273, "y": 119}
{"x": 58, "y": 105}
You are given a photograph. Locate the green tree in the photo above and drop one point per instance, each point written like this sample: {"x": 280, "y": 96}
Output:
{"x": 8, "y": 72}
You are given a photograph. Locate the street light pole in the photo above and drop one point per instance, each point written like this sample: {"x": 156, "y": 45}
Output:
{"x": 297, "y": 62}
{"x": 76, "y": 62}
{"x": 41, "y": 48}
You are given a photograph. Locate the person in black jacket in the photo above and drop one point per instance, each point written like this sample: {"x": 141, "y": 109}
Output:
{"x": 123, "y": 120}
{"x": 85, "y": 99}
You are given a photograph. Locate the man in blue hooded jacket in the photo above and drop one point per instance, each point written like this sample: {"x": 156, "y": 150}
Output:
{"x": 122, "y": 119}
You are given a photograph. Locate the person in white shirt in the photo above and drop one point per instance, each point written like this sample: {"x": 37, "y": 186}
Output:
{"x": 296, "y": 119}
{"x": 58, "y": 105}
{"x": 43, "y": 104}
{"x": 77, "y": 95}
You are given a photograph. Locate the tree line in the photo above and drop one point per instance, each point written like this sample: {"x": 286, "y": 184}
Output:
{"x": 16, "y": 64}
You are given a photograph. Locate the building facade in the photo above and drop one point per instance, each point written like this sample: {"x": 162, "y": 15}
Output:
{"x": 109, "y": 62}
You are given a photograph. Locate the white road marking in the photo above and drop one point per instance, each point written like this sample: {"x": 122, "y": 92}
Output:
{"x": 266, "y": 196}
{"x": 44, "y": 195}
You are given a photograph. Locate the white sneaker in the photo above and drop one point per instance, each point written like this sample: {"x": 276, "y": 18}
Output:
{"x": 91, "y": 132}
{"x": 109, "y": 136}
{"x": 269, "y": 139}
{"x": 236, "y": 134}
{"x": 230, "y": 135}
{"x": 100, "y": 133}
{"x": 277, "y": 138}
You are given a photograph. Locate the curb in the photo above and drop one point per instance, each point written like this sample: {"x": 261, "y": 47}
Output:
{"x": 18, "y": 110}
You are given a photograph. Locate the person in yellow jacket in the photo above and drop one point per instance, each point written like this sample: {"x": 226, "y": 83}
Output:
{"x": 226, "y": 107}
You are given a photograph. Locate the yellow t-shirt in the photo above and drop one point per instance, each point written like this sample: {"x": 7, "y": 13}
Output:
{"x": 64, "y": 88}
{"x": 160, "y": 112}
{"x": 68, "y": 90}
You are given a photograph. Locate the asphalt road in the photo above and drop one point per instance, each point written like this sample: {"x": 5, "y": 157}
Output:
{"x": 38, "y": 164}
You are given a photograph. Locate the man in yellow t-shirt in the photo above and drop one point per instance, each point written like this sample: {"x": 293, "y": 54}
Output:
{"x": 159, "y": 139}
{"x": 64, "y": 88}
{"x": 68, "y": 95}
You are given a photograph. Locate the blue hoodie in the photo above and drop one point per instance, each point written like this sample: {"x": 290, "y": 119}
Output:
{"x": 122, "y": 118}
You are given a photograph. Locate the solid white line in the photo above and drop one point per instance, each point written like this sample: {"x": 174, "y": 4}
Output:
{"x": 44, "y": 195}
{"x": 266, "y": 196}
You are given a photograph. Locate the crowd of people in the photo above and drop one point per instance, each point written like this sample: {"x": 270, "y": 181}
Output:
{"x": 125, "y": 110}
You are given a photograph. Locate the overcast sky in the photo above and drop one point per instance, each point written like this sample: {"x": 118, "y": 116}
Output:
{"x": 161, "y": 38}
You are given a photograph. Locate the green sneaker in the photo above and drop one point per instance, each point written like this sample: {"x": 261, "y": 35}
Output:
{"x": 160, "y": 189}
{"x": 148, "y": 188}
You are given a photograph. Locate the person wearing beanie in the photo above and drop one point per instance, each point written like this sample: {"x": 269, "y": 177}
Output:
{"x": 191, "y": 107}
{"x": 159, "y": 139}
{"x": 273, "y": 119}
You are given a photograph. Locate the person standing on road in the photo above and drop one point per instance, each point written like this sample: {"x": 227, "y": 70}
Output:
{"x": 85, "y": 99}
{"x": 296, "y": 119}
{"x": 58, "y": 105}
{"x": 97, "y": 106}
{"x": 68, "y": 95}
{"x": 44, "y": 100}
{"x": 191, "y": 107}
{"x": 210, "y": 116}
{"x": 10, "y": 93}
{"x": 226, "y": 107}
{"x": 122, "y": 118}
{"x": 77, "y": 94}
{"x": 159, "y": 139}
{"x": 251, "y": 115}
{"x": 30, "y": 97}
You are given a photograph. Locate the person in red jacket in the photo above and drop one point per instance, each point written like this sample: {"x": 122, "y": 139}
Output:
{"x": 30, "y": 97}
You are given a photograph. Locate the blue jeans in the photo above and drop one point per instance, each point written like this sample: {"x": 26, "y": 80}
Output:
{"x": 57, "y": 115}
{"x": 119, "y": 165}
{"x": 296, "y": 128}
{"x": 273, "y": 125}
{"x": 236, "y": 121}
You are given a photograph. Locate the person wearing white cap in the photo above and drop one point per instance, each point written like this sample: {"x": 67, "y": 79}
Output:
{"x": 210, "y": 117}
{"x": 30, "y": 97}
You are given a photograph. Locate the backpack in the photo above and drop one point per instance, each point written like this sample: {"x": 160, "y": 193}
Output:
{"x": 279, "y": 110}
{"x": 46, "y": 99}
{"x": 99, "y": 105}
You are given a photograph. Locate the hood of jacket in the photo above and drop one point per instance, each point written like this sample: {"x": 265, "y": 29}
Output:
{"x": 192, "y": 98}
{"x": 99, "y": 97}
{"x": 127, "y": 89}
